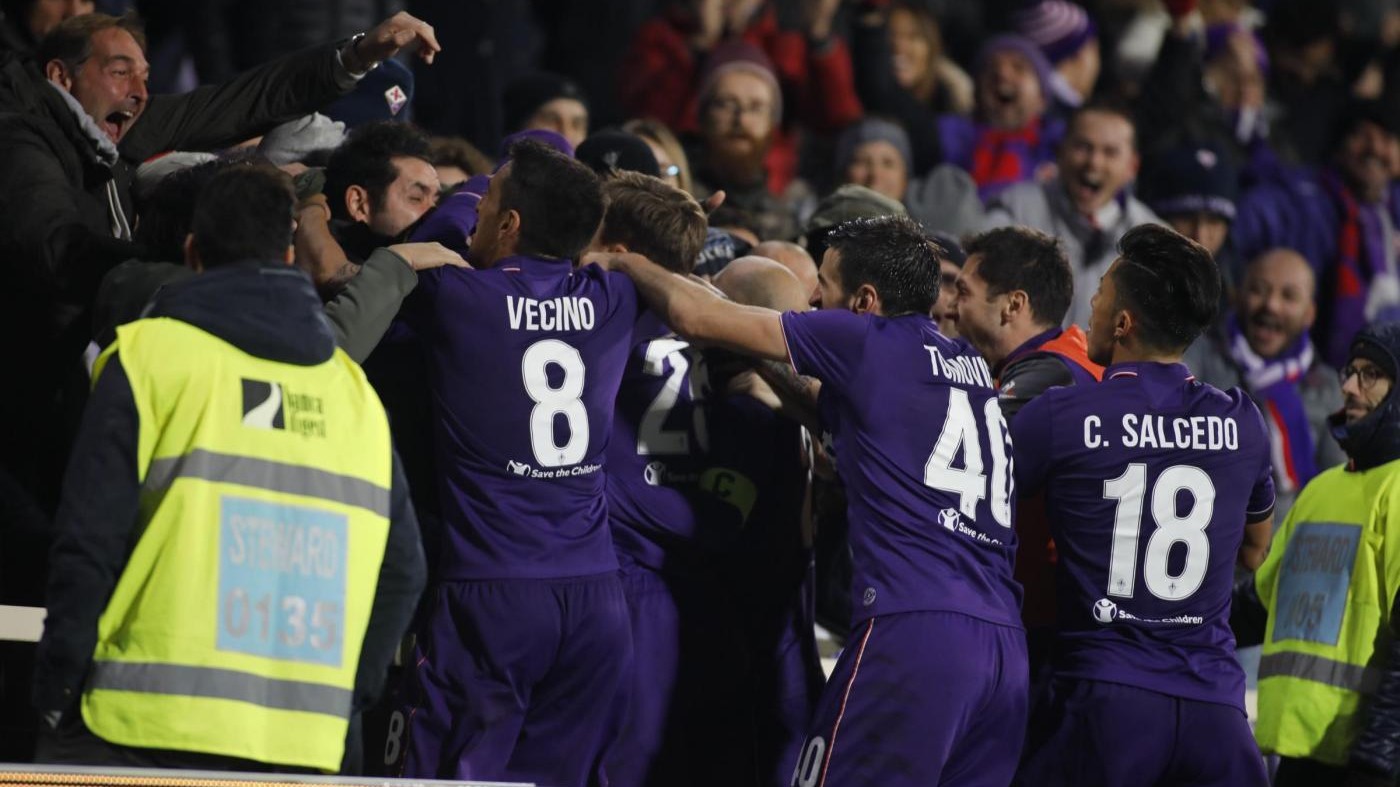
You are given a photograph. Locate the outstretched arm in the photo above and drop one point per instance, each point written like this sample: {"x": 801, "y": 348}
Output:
{"x": 697, "y": 312}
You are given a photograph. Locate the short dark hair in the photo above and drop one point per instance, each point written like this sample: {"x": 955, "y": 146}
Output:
{"x": 1170, "y": 283}
{"x": 654, "y": 219}
{"x": 71, "y": 41}
{"x": 244, "y": 214}
{"x": 1021, "y": 258}
{"x": 1106, "y": 106}
{"x": 892, "y": 255}
{"x": 366, "y": 159}
{"x": 167, "y": 213}
{"x": 560, "y": 200}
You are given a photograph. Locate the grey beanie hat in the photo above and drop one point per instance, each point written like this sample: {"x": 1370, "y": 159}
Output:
{"x": 873, "y": 130}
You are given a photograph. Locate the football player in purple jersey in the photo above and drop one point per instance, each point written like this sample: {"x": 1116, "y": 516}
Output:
{"x": 1155, "y": 486}
{"x": 932, "y": 687}
{"x": 524, "y": 648}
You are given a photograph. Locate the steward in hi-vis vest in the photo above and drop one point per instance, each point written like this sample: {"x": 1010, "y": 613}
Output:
{"x": 236, "y": 558}
{"x": 1329, "y": 677}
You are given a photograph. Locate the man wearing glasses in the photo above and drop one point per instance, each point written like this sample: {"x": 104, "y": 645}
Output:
{"x": 1324, "y": 599}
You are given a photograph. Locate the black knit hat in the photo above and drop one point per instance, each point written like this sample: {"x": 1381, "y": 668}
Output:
{"x": 1191, "y": 179}
{"x": 532, "y": 91}
{"x": 1383, "y": 113}
{"x": 612, "y": 150}
{"x": 1379, "y": 344}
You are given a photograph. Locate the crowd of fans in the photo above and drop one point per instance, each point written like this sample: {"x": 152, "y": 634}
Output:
{"x": 1267, "y": 131}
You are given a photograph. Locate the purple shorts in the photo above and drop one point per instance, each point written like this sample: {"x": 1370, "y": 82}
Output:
{"x": 516, "y": 680}
{"x": 684, "y": 722}
{"x": 1099, "y": 734}
{"x": 921, "y": 699}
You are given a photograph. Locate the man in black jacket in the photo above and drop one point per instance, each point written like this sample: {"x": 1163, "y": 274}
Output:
{"x": 246, "y": 301}
{"x": 70, "y": 138}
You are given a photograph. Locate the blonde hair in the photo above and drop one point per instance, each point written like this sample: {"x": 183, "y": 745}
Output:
{"x": 656, "y": 131}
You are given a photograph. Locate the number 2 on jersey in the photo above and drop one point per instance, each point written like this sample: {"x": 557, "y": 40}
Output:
{"x": 968, "y": 482}
{"x": 1172, "y": 528}
{"x": 652, "y": 436}
{"x": 566, "y": 400}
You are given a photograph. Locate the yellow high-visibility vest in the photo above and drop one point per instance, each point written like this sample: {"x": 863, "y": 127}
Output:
{"x": 1328, "y": 584}
{"x": 236, "y": 626}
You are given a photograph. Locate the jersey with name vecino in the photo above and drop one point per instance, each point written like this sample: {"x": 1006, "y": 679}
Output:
{"x": 1149, "y": 480}
{"x": 525, "y": 359}
{"x": 657, "y": 463}
{"x": 924, "y": 453}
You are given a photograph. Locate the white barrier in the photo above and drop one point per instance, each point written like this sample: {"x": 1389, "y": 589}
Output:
{"x": 21, "y": 624}
{"x": 74, "y": 776}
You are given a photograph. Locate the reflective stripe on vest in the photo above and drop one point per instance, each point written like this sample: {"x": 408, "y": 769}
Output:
{"x": 221, "y": 684}
{"x": 1319, "y": 669}
{"x": 269, "y": 475}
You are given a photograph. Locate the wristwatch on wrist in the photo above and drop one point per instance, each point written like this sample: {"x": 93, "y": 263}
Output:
{"x": 354, "y": 63}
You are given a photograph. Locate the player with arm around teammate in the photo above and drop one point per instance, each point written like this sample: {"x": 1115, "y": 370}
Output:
{"x": 1152, "y": 480}
{"x": 524, "y": 649}
{"x": 932, "y": 688}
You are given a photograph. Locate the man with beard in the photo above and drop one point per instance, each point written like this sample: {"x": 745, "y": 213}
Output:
{"x": 1343, "y": 219}
{"x": 1087, "y": 206}
{"x": 379, "y": 183}
{"x": 1009, "y": 140}
{"x": 741, "y": 106}
{"x": 1011, "y": 297}
{"x": 1264, "y": 348}
{"x": 1323, "y": 604}
{"x": 1154, "y": 482}
{"x": 932, "y": 687}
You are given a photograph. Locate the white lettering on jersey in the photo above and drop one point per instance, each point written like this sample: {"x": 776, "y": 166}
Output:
{"x": 554, "y": 314}
{"x": 1198, "y": 433}
{"x": 963, "y": 370}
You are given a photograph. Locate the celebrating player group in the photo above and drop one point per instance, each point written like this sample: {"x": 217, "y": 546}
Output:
{"x": 618, "y": 523}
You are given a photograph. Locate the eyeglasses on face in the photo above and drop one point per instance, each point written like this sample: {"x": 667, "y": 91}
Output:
{"x": 1366, "y": 376}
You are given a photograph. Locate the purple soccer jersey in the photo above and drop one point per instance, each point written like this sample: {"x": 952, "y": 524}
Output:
{"x": 525, "y": 362}
{"x": 1149, "y": 479}
{"x": 662, "y": 504}
{"x": 920, "y": 442}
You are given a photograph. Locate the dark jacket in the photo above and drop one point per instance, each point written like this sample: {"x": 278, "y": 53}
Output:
{"x": 269, "y": 313}
{"x": 61, "y": 197}
{"x": 359, "y": 314}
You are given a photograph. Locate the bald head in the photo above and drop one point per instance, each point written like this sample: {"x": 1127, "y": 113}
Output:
{"x": 1276, "y": 303}
{"x": 1282, "y": 263}
{"x": 794, "y": 258}
{"x": 759, "y": 281}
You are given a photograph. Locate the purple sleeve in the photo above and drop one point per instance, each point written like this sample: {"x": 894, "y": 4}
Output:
{"x": 452, "y": 223}
{"x": 1261, "y": 495}
{"x": 1030, "y": 446}
{"x": 827, "y": 344}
